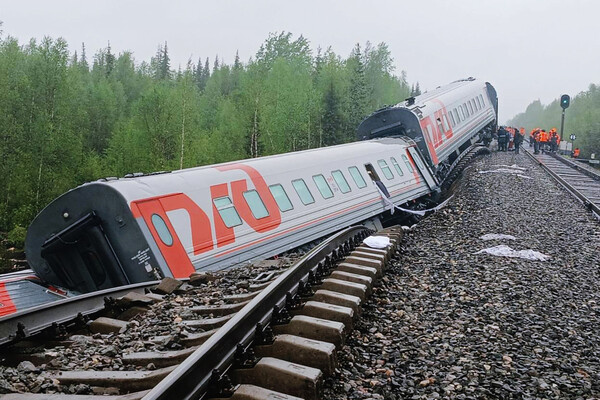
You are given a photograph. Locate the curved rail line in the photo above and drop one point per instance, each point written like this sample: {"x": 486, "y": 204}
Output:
{"x": 192, "y": 377}
{"x": 580, "y": 182}
{"x": 325, "y": 287}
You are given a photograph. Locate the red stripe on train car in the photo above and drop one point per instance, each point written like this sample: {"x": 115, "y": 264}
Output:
{"x": 7, "y": 306}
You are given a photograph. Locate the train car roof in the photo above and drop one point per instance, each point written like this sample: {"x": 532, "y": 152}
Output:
{"x": 267, "y": 165}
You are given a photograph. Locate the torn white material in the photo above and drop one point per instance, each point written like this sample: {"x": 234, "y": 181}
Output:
{"x": 514, "y": 166}
{"x": 496, "y": 236}
{"x": 408, "y": 228}
{"x": 502, "y": 170}
{"x": 377, "y": 242}
{"x": 391, "y": 206}
{"x": 524, "y": 176}
{"x": 506, "y": 251}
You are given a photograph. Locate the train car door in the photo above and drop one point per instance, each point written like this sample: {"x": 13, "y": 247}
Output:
{"x": 376, "y": 180}
{"x": 423, "y": 169}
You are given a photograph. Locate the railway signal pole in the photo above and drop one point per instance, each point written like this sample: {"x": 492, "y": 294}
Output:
{"x": 565, "y": 100}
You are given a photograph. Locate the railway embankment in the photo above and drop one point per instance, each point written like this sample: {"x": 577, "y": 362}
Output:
{"x": 495, "y": 296}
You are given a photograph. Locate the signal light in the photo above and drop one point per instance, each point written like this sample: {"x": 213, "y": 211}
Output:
{"x": 565, "y": 100}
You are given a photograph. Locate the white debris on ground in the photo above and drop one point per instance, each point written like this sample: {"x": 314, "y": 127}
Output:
{"x": 496, "y": 236}
{"x": 377, "y": 242}
{"x": 505, "y": 251}
{"x": 508, "y": 169}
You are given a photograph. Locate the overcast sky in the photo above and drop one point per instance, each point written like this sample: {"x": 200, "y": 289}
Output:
{"x": 528, "y": 49}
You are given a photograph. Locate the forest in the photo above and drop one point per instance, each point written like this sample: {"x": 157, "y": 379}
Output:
{"x": 68, "y": 118}
{"x": 582, "y": 118}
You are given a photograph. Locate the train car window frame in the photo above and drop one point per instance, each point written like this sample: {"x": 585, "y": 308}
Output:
{"x": 227, "y": 211}
{"x": 478, "y": 102}
{"x": 385, "y": 168}
{"x": 302, "y": 191}
{"x": 446, "y": 124}
{"x": 482, "y": 102}
{"x": 440, "y": 128}
{"x": 397, "y": 166}
{"x": 470, "y": 107}
{"x": 340, "y": 180}
{"x": 256, "y": 204}
{"x": 462, "y": 112}
{"x": 407, "y": 162}
{"x": 357, "y": 177}
{"x": 161, "y": 228}
{"x": 466, "y": 110}
{"x": 430, "y": 133}
{"x": 322, "y": 186}
{"x": 281, "y": 197}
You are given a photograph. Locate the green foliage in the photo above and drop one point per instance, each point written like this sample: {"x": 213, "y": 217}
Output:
{"x": 16, "y": 236}
{"x": 582, "y": 118}
{"x": 64, "y": 121}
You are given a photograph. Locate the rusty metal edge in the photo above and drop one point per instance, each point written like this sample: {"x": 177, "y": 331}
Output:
{"x": 191, "y": 378}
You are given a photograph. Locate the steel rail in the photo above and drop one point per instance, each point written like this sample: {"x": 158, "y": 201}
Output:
{"x": 595, "y": 208}
{"x": 34, "y": 320}
{"x": 191, "y": 379}
{"x": 579, "y": 168}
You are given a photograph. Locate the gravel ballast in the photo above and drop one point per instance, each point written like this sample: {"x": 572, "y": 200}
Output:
{"x": 445, "y": 322}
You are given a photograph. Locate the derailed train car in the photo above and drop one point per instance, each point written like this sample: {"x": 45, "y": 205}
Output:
{"x": 443, "y": 122}
{"x": 114, "y": 232}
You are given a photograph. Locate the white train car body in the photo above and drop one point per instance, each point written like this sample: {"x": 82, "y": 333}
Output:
{"x": 114, "y": 232}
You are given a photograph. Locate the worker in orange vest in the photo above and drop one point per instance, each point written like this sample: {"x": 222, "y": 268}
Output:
{"x": 553, "y": 140}
{"x": 536, "y": 141}
{"x": 543, "y": 140}
{"x": 576, "y": 152}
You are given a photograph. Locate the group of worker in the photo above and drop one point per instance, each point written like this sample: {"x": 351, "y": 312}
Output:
{"x": 509, "y": 138}
{"x": 543, "y": 141}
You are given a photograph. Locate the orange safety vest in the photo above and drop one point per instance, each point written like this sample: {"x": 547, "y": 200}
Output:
{"x": 543, "y": 136}
{"x": 576, "y": 153}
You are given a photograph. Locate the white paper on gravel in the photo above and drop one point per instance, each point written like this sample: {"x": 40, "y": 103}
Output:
{"x": 377, "y": 242}
{"x": 496, "y": 236}
{"x": 506, "y": 251}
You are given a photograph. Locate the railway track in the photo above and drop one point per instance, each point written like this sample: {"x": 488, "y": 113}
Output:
{"x": 275, "y": 338}
{"x": 582, "y": 183}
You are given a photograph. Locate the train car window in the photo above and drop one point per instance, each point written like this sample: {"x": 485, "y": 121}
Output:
{"x": 397, "y": 166}
{"x": 387, "y": 172}
{"x": 482, "y": 102}
{"x": 466, "y": 109}
{"x": 471, "y": 107}
{"x": 162, "y": 229}
{"x": 281, "y": 197}
{"x": 303, "y": 192}
{"x": 445, "y": 121}
{"x": 452, "y": 120}
{"x": 419, "y": 163}
{"x": 341, "y": 181}
{"x": 227, "y": 211}
{"x": 323, "y": 186}
{"x": 256, "y": 204}
{"x": 478, "y": 103}
{"x": 408, "y": 164}
{"x": 462, "y": 113}
{"x": 357, "y": 177}
{"x": 456, "y": 116}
